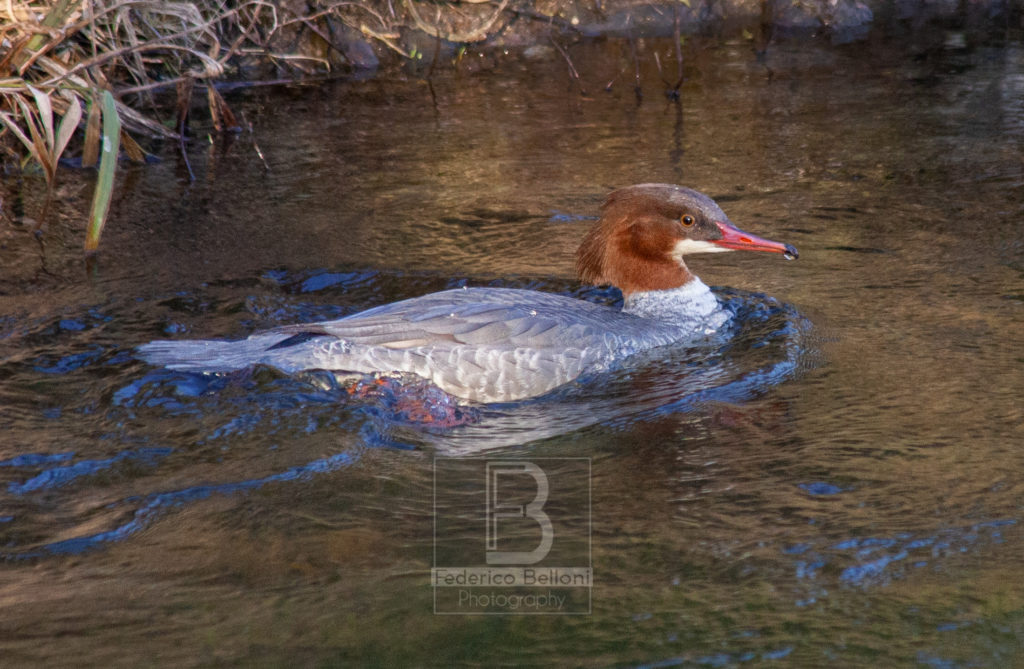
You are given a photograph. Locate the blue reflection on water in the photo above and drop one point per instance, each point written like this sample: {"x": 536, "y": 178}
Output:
{"x": 59, "y": 476}
{"x": 820, "y": 488}
{"x": 719, "y": 659}
{"x": 935, "y": 661}
{"x": 71, "y": 324}
{"x": 36, "y": 459}
{"x": 155, "y": 504}
{"x": 324, "y": 280}
{"x": 878, "y": 560}
{"x": 558, "y": 216}
{"x": 68, "y": 363}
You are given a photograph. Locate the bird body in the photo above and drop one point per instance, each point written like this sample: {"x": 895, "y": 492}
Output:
{"x": 500, "y": 344}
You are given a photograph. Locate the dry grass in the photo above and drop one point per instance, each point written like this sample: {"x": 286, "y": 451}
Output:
{"x": 60, "y": 57}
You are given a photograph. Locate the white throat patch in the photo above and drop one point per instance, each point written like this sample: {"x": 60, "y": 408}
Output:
{"x": 688, "y": 246}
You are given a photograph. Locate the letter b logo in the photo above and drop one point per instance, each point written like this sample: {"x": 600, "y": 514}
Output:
{"x": 496, "y": 510}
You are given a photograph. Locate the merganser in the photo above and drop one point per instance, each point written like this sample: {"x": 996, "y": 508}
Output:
{"x": 502, "y": 344}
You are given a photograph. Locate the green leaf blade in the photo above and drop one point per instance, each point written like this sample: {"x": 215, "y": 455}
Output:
{"x": 111, "y": 144}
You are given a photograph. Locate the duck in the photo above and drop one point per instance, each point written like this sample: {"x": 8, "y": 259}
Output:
{"x": 493, "y": 345}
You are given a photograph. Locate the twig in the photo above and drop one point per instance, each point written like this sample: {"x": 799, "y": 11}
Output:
{"x": 433, "y": 64}
{"x": 154, "y": 45}
{"x": 385, "y": 39}
{"x": 57, "y": 37}
{"x": 184, "y": 102}
{"x": 636, "y": 65}
{"x": 255, "y": 146}
{"x": 153, "y": 85}
{"x": 657, "y": 63}
{"x": 57, "y": 69}
{"x": 673, "y": 93}
{"x": 568, "y": 61}
{"x": 245, "y": 34}
{"x": 611, "y": 82}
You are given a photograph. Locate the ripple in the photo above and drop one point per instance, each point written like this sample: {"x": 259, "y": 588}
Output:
{"x": 172, "y": 426}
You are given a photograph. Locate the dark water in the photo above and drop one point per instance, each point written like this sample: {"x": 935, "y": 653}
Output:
{"x": 837, "y": 482}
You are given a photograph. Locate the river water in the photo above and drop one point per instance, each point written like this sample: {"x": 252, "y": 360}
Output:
{"x": 837, "y": 480}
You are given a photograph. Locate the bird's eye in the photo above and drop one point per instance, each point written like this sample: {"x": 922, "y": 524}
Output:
{"x": 688, "y": 220}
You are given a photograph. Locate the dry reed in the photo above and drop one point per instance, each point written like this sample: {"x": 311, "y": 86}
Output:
{"x": 58, "y": 57}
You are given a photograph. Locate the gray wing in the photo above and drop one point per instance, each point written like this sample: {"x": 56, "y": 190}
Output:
{"x": 476, "y": 317}
{"x": 486, "y": 345}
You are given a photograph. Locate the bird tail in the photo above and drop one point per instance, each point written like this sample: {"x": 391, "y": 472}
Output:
{"x": 204, "y": 355}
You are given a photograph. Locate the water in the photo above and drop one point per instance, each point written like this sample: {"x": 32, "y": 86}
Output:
{"x": 834, "y": 483}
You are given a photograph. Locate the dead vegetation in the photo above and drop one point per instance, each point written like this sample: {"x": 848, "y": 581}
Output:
{"x": 60, "y": 58}
{"x": 80, "y": 75}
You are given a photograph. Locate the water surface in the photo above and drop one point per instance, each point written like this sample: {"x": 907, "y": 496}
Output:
{"x": 835, "y": 482}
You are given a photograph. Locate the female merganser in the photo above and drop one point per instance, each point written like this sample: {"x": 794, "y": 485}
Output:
{"x": 503, "y": 344}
